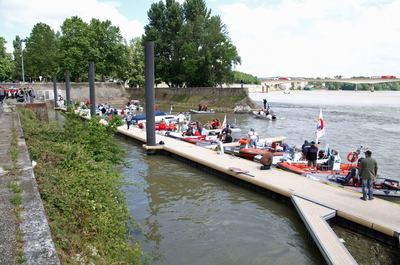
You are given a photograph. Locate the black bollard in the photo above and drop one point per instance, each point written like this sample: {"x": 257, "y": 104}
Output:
{"x": 67, "y": 88}
{"x": 92, "y": 92}
{"x": 55, "y": 91}
{"x": 149, "y": 84}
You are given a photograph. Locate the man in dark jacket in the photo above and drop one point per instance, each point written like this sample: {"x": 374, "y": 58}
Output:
{"x": 312, "y": 155}
{"x": 368, "y": 169}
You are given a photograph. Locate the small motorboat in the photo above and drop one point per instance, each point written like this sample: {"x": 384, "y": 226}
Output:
{"x": 193, "y": 111}
{"x": 261, "y": 114}
{"x": 381, "y": 186}
{"x": 250, "y": 153}
{"x": 304, "y": 169}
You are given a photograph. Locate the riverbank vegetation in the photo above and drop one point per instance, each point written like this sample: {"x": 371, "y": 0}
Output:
{"x": 395, "y": 86}
{"x": 245, "y": 78}
{"x": 79, "y": 182}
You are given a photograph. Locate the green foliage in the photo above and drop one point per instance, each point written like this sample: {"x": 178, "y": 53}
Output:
{"x": 246, "y": 78}
{"x": 75, "y": 47}
{"x": 80, "y": 186}
{"x": 135, "y": 70}
{"x": 363, "y": 87}
{"x": 6, "y": 62}
{"x": 99, "y": 42}
{"x": 41, "y": 54}
{"x": 17, "y": 75}
{"x": 191, "y": 46}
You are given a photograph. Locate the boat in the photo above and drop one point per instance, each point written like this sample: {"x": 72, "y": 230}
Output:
{"x": 303, "y": 169}
{"x": 384, "y": 187}
{"x": 193, "y": 111}
{"x": 261, "y": 114}
{"x": 250, "y": 153}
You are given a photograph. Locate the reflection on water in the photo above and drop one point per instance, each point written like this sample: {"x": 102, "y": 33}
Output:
{"x": 191, "y": 217}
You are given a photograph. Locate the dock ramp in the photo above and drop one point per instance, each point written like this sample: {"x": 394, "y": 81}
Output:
{"x": 315, "y": 218}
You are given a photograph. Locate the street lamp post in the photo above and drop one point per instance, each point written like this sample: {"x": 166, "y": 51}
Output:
{"x": 22, "y": 60}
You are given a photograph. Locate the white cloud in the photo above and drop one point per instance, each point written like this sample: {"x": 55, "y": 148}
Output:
{"x": 315, "y": 38}
{"x": 23, "y": 14}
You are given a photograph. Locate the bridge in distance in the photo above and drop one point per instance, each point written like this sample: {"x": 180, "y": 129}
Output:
{"x": 274, "y": 81}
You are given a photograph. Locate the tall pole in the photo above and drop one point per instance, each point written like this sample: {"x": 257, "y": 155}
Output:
{"x": 22, "y": 61}
{"x": 92, "y": 92}
{"x": 149, "y": 84}
{"x": 55, "y": 91}
{"x": 67, "y": 88}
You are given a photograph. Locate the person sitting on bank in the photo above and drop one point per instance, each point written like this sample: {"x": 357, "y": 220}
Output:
{"x": 312, "y": 155}
{"x": 368, "y": 170}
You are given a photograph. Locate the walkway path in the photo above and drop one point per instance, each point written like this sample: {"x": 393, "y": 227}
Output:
{"x": 8, "y": 223}
{"x": 38, "y": 247}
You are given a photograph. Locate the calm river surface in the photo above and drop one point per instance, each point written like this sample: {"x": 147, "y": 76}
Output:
{"x": 187, "y": 216}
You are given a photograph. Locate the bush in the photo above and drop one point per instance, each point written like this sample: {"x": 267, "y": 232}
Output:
{"x": 80, "y": 187}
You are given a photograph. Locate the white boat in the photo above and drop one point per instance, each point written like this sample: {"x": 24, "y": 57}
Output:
{"x": 260, "y": 114}
{"x": 193, "y": 111}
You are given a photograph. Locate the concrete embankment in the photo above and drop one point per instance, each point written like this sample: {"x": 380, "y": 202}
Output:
{"x": 225, "y": 99}
{"x": 37, "y": 245}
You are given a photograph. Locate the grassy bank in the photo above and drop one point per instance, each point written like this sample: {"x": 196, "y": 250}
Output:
{"x": 80, "y": 187}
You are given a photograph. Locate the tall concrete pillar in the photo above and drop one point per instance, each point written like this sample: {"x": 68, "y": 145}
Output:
{"x": 92, "y": 93}
{"x": 67, "y": 76}
{"x": 149, "y": 84}
{"x": 55, "y": 90}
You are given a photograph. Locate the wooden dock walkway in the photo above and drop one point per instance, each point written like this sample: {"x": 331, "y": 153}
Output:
{"x": 315, "y": 218}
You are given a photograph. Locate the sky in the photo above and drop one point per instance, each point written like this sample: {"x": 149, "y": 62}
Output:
{"x": 308, "y": 38}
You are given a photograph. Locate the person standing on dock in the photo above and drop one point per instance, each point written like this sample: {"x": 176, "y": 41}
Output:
{"x": 368, "y": 171}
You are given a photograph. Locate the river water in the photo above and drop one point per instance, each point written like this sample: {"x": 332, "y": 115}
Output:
{"x": 186, "y": 216}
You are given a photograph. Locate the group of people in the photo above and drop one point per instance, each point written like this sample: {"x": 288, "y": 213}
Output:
{"x": 26, "y": 94}
{"x": 367, "y": 166}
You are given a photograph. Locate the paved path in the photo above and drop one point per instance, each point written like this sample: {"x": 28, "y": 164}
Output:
{"x": 7, "y": 217}
{"x": 38, "y": 246}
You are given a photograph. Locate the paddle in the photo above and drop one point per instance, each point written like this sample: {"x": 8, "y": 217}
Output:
{"x": 241, "y": 171}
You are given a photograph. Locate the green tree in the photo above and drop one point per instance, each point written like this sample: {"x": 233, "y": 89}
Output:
{"x": 75, "y": 48}
{"x": 246, "y": 78}
{"x": 107, "y": 49}
{"x": 17, "y": 58}
{"x": 135, "y": 71}
{"x": 166, "y": 21}
{"x": 191, "y": 46}
{"x": 6, "y": 62}
{"x": 41, "y": 55}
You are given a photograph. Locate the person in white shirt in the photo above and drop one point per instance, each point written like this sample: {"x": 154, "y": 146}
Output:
{"x": 253, "y": 137}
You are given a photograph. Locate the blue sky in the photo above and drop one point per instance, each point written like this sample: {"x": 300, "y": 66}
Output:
{"x": 274, "y": 38}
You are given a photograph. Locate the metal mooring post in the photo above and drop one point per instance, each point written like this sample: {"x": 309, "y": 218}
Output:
{"x": 149, "y": 84}
{"x": 55, "y": 91}
{"x": 92, "y": 93}
{"x": 67, "y": 88}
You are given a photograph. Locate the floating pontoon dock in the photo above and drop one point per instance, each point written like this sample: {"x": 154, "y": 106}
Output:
{"x": 316, "y": 202}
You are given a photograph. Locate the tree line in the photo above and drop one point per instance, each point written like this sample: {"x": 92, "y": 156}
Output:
{"x": 395, "y": 86}
{"x": 192, "y": 48}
